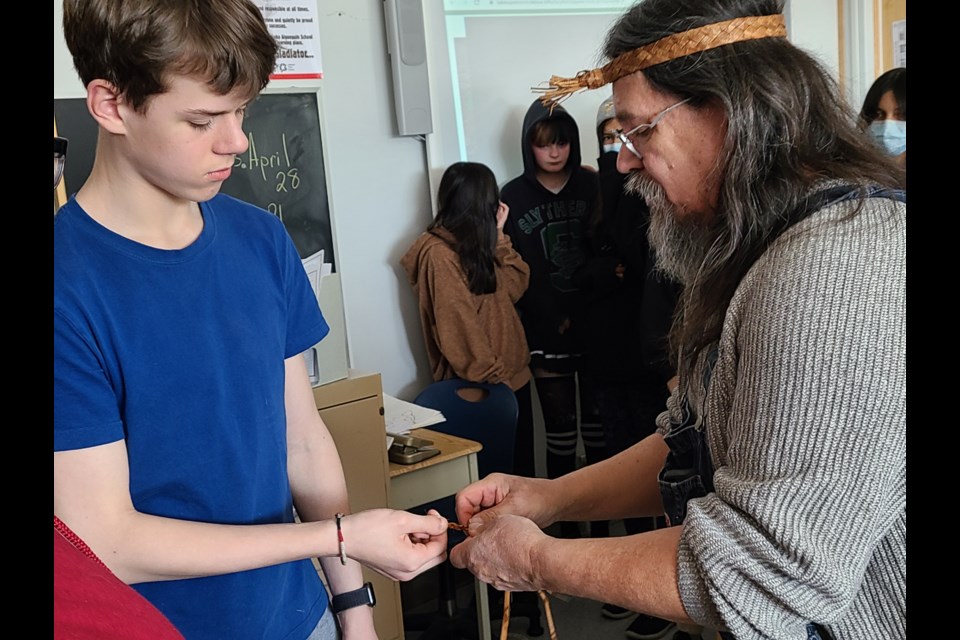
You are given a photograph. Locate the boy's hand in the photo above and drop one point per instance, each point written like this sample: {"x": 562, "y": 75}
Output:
{"x": 397, "y": 544}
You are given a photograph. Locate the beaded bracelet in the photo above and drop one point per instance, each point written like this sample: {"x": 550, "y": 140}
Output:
{"x": 343, "y": 549}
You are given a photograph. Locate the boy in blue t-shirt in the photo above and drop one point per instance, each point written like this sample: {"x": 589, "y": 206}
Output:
{"x": 185, "y": 430}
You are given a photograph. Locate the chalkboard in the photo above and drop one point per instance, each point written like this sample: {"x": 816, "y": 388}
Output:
{"x": 282, "y": 170}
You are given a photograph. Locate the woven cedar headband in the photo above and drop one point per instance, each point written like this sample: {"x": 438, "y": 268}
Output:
{"x": 665, "y": 49}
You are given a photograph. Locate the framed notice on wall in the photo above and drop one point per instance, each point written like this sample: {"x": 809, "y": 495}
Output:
{"x": 900, "y": 43}
{"x": 890, "y": 32}
{"x": 293, "y": 24}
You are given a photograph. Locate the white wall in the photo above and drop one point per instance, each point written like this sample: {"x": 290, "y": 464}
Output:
{"x": 496, "y": 59}
{"x": 813, "y": 25}
{"x": 378, "y": 182}
{"x": 379, "y": 195}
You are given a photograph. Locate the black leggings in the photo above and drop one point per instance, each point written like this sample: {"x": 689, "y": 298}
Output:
{"x": 558, "y": 402}
{"x": 524, "y": 460}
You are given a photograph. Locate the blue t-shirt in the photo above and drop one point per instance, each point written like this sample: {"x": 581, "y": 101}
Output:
{"x": 181, "y": 353}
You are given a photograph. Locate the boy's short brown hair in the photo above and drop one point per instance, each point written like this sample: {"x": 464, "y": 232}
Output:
{"x": 137, "y": 44}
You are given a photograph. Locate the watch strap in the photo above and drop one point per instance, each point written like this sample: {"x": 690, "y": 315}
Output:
{"x": 358, "y": 597}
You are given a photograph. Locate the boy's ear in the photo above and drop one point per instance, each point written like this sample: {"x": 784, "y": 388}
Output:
{"x": 103, "y": 103}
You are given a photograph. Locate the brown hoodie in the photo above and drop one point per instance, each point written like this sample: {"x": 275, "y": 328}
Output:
{"x": 475, "y": 337}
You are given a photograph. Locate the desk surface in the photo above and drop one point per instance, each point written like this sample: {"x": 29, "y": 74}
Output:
{"x": 450, "y": 447}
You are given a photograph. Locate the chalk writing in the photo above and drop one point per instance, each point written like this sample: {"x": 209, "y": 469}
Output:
{"x": 263, "y": 162}
{"x": 285, "y": 180}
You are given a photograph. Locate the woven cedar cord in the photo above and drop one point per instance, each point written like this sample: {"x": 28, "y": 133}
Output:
{"x": 505, "y": 624}
{"x": 663, "y": 50}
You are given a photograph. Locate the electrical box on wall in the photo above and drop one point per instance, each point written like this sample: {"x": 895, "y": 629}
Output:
{"x": 407, "y": 47}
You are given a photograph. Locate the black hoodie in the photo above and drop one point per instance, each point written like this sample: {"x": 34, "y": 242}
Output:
{"x": 628, "y": 318}
{"x": 550, "y": 232}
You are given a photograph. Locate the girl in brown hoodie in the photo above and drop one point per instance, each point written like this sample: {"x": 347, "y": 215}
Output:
{"x": 467, "y": 278}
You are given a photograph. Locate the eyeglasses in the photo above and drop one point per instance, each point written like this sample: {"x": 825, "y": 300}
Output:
{"x": 641, "y": 132}
{"x": 59, "y": 157}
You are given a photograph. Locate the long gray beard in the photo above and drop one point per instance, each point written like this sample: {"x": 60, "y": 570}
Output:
{"x": 681, "y": 245}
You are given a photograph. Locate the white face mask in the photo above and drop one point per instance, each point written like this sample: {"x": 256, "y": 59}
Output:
{"x": 889, "y": 134}
{"x": 613, "y": 147}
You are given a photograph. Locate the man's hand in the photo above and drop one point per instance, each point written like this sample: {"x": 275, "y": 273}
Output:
{"x": 499, "y": 551}
{"x": 500, "y": 494}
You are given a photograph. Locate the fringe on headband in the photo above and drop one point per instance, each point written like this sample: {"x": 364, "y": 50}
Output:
{"x": 665, "y": 49}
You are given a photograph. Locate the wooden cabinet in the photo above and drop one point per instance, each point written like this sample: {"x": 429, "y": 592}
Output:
{"x": 352, "y": 409}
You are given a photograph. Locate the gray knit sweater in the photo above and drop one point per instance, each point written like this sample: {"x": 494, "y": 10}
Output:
{"x": 806, "y": 423}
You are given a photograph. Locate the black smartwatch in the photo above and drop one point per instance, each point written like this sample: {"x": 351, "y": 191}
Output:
{"x": 358, "y": 597}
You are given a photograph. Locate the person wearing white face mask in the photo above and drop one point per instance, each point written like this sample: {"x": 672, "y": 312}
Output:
{"x": 607, "y": 126}
{"x": 884, "y": 113}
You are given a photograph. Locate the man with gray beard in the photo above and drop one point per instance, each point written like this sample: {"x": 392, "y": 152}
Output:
{"x": 780, "y": 460}
{"x": 681, "y": 244}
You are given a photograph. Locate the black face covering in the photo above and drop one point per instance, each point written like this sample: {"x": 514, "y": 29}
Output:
{"x": 607, "y": 161}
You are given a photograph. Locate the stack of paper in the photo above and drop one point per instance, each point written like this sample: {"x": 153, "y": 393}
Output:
{"x": 401, "y": 416}
{"x": 334, "y": 363}
{"x": 317, "y": 268}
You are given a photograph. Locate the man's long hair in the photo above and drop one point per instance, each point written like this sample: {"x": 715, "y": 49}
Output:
{"x": 788, "y": 127}
{"x": 467, "y": 203}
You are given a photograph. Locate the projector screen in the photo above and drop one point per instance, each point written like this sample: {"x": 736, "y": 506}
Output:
{"x": 484, "y": 56}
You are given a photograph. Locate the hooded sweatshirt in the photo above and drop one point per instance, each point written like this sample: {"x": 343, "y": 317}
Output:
{"x": 628, "y": 318}
{"x": 478, "y": 338}
{"x": 549, "y": 231}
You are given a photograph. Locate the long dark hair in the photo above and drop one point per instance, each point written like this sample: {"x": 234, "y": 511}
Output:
{"x": 893, "y": 80}
{"x": 788, "y": 128}
{"x": 467, "y": 203}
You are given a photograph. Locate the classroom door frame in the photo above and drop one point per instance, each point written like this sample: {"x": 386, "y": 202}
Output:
{"x": 866, "y": 41}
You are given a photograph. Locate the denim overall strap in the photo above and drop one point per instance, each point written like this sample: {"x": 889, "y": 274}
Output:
{"x": 687, "y": 472}
{"x": 843, "y": 192}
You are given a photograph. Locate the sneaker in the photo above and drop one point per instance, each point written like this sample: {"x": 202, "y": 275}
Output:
{"x": 682, "y": 635}
{"x": 614, "y": 612}
{"x": 649, "y": 628}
